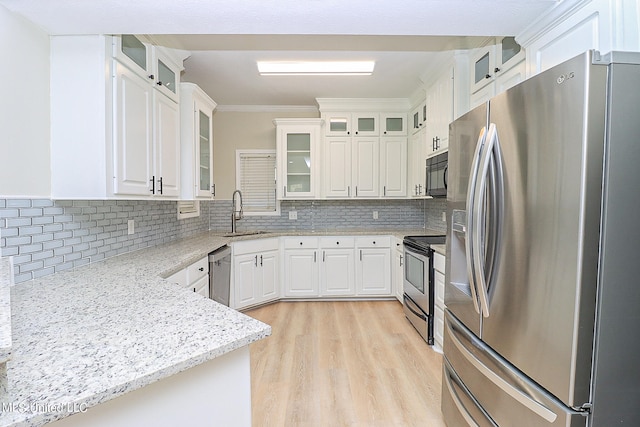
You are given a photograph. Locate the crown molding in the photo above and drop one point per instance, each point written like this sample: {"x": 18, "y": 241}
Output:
{"x": 268, "y": 108}
{"x": 559, "y": 13}
{"x": 364, "y": 104}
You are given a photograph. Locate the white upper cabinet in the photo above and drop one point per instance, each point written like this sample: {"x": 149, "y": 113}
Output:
{"x": 196, "y": 141}
{"x": 393, "y": 124}
{"x": 118, "y": 130}
{"x": 337, "y": 124}
{"x": 357, "y": 152}
{"x": 337, "y": 167}
{"x": 393, "y": 166}
{"x": 149, "y": 61}
{"x": 418, "y": 117}
{"x": 366, "y": 166}
{"x": 365, "y": 124}
{"x": 298, "y": 160}
{"x": 440, "y": 97}
{"x": 495, "y": 68}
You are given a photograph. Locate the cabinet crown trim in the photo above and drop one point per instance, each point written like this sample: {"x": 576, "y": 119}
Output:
{"x": 389, "y": 105}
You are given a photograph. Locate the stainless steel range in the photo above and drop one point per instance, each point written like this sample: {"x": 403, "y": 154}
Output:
{"x": 418, "y": 282}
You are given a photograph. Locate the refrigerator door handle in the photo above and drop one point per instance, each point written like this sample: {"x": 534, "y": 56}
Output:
{"x": 471, "y": 189}
{"x": 490, "y": 156}
{"x": 516, "y": 393}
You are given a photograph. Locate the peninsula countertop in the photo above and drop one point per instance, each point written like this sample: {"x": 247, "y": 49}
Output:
{"x": 85, "y": 336}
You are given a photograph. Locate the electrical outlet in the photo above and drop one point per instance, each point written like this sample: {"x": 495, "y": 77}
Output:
{"x": 375, "y": 214}
{"x": 293, "y": 214}
{"x": 444, "y": 216}
{"x": 131, "y": 226}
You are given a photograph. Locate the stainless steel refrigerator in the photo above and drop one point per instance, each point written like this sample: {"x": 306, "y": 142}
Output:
{"x": 542, "y": 326}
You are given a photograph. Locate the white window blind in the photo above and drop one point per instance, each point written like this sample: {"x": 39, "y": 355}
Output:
{"x": 255, "y": 177}
{"x": 188, "y": 209}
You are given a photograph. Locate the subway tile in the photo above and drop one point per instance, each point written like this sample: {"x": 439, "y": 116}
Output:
{"x": 9, "y": 251}
{"x": 18, "y": 203}
{"x": 19, "y": 278}
{"x": 41, "y": 255}
{"x": 55, "y": 210}
{"x": 53, "y": 261}
{"x": 30, "y": 212}
{"x": 17, "y": 222}
{"x": 41, "y": 203}
{"x": 42, "y": 220}
{"x": 31, "y": 230}
{"x": 34, "y": 247}
{"x": 43, "y": 272}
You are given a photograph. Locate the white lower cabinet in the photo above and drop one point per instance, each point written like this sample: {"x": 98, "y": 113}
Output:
{"x": 438, "y": 320}
{"x": 337, "y": 266}
{"x": 301, "y": 267}
{"x": 398, "y": 269}
{"x": 373, "y": 266}
{"x": 194, "y": 277}
{"x": 256, "y": 266}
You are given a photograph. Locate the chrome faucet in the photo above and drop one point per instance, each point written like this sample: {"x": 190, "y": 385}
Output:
{"x": 236, "y": 214}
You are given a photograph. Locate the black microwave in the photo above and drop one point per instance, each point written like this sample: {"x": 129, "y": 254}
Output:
{"x": 436, "y": 175}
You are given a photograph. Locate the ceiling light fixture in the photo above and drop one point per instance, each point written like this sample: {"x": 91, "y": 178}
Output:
{"x": 316, "y": 68}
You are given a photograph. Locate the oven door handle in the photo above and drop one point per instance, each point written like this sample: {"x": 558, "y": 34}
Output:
{"x": 406, "y": 304}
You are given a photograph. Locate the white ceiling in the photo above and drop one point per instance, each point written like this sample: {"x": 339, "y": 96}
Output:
{"x": 226, "y": 37}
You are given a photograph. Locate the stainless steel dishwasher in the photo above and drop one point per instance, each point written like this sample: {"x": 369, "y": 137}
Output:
{"x": 220, "y": 274}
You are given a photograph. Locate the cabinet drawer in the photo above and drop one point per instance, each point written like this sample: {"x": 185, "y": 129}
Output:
{"x": 198, "y": 269}
{"x": 337, "y": 242}
{"x": 439, "y": 262}
{"x": 201, "y": 286}
{"x": 373, "y": 242}
{"x": 253, "y": 246}
{"x": 179, "y": 278}
{"x": 301, "y": 243}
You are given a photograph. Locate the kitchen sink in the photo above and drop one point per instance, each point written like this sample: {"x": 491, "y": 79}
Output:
{"x": 243, "y": 233}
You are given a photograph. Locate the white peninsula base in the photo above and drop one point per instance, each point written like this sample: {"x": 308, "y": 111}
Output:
{"x": 215, "y": 393}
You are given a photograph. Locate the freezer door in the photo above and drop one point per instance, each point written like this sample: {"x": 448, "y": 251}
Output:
{"x": 482, "y": 389}
{"x": 465, "y": 135}
{"x": 540, "y": 311}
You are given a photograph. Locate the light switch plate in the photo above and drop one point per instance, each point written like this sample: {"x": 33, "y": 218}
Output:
{"x": 293, "y": 214}
{"x": 375, "y": 214}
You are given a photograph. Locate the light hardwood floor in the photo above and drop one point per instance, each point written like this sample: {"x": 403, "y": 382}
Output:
{"x": 347, "y": 363}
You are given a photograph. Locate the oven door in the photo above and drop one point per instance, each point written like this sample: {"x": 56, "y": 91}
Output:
{"x": 416, "y": 278}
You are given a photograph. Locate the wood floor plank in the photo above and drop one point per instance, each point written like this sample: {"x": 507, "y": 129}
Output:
{"x": 343, "y": 363}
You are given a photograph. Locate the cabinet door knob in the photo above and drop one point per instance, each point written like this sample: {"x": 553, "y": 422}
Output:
{"x": 159, "y": 83}
{"x": 385, "y": 132}
{"x": 201, "y": 269}
{"x": 487, "y": 76}
{"x": 495, "y": 70}
{"x": 374, "y": 242}
{"x": 151, "y": 76}
{"x": 300, "y": 243}
{"x": 337, "y": 243}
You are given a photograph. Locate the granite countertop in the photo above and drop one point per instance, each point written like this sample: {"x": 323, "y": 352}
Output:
{"x": 85, "y": 336}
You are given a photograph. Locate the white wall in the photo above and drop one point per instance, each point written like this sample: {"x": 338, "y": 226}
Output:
{"x": 24, "y": 108}
{"x": 248, "y": 130}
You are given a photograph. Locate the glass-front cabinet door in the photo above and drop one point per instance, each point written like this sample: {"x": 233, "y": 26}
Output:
{"x": 297, "y": 145}
{"x": 338, "y": 124}
{"x": 365, "y": 124}
{"x": 482, "y": 68}
{"x": 298, "y": 166}
{"x": 393, "y": 124}
{"x": 166, "y": 74}
{"x": 133, "y": 53}
{"x": 196, "y": 143}
{"x": 205, "y": 171}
